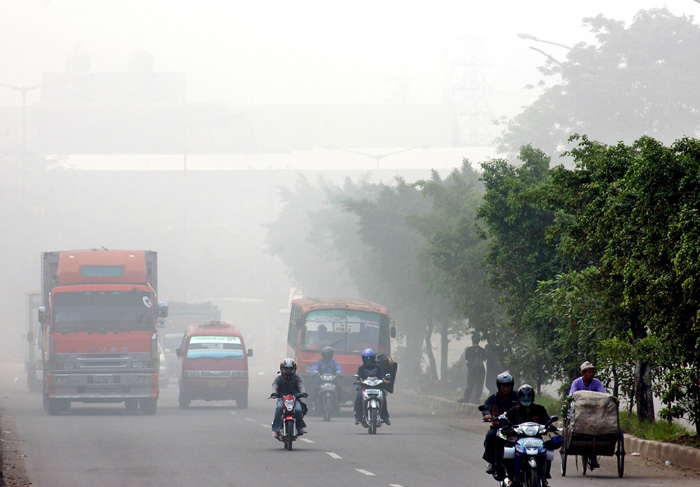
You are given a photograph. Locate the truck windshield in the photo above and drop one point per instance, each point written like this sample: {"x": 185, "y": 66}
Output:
{"x": 215, "y": 347}
{"x": 101, "y": 311}
{"x": 347, "y": 331}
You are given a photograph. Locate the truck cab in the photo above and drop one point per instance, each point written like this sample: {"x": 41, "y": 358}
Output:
{"x": 100, "y": 341}
{"x": 214, "y": 364}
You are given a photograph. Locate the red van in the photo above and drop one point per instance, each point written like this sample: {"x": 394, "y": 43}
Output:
{"x": 214, "y": 364}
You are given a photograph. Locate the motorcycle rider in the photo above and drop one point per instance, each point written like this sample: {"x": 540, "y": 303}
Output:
{"x": 526, "y": 410}
{"x": 326, "y": 365}
{"x": 497, "y": 403}
{"x": 370, "y": 368}
{"x": 288, "y": 382}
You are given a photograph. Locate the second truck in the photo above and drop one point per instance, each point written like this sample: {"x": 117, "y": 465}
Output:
{"x": 99, "y": 316}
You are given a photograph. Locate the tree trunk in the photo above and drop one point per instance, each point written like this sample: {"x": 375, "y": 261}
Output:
{"x": 411, "y": 365}
{"x": 644, "y": 396}
{"x": 444, "y": 341}
{"x": 642, "y": 377}
{"x": 432, "y": 369}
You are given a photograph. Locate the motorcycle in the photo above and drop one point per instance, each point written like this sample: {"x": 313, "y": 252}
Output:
{"x": 526, "y": 452}
{"x": 288, "y": 432}
{"x": 327, "y": 393}
{"x": 372, "y": 398}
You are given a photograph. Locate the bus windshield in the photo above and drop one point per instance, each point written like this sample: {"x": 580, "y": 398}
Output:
{"x": 347, "y": 331}
{"x": 101, "y": 311}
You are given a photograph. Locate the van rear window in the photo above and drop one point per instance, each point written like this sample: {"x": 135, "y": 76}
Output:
{"x": 215, "y": 347}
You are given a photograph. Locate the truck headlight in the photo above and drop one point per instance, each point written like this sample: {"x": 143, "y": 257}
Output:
{"x": 191, "y": 374}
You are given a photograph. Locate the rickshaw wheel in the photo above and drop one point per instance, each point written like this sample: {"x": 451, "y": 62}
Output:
{"x": 620, "y": 453}
{"x": 563, "y": 462}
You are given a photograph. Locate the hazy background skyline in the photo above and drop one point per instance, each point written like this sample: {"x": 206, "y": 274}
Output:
{"x": 280, "y": 74}
{"x": 310, "y": 52}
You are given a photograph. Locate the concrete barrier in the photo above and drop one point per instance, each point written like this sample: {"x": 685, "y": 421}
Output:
{"x": 684, "y": 456}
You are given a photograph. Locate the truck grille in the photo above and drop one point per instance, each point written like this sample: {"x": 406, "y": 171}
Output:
{"x": 106, "y": 361}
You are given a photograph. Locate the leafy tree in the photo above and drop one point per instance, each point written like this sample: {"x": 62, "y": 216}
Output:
{"x": 397, "y": 276}
{"x": 659, "y": 242}
{"x": 633, "y": 80}
{"x": 520, "y": 255}
{"x": 456, "y": 250}
{"x": 297, "y": 238}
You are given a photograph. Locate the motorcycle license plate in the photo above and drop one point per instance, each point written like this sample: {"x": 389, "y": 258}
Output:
{"x": 531, "y": 442}
{"x": 372, "y": 392}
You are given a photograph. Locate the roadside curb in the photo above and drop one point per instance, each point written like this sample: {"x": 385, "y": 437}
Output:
{"x": 684, "y": 456}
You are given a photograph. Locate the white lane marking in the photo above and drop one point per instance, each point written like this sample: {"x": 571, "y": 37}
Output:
{"x": 232, "y": 412}
{"x": 365, "y": 472}
{"x": 307, "y": 441}
{"x": 250, "y": 419}
{"x": 334, "y": 455}
{"x": 265, "y": 425}
{"x": 395, "y": 485}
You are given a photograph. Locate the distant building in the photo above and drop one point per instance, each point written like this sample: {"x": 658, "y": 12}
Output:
{"x": 139, "y": 112}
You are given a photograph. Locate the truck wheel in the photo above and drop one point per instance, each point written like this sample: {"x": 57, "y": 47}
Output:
{"x": 55, "y": 406}
{"x": 183, "y": 400}
{"x": 131, "y": 404}
{"x": 32, "y": 384}
{"x": 149, "y": 406}
{"x": 242, "y": 401}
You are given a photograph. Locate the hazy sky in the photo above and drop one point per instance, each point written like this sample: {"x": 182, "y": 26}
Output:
{"x": 304, "y": 51}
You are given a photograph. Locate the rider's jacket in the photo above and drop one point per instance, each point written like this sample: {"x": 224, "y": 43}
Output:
{"x": 322, "y": 367}
{"x": 376, "y": 371}
{"x": 499, "y": 404}
{"x": 521, "y": 414}
{"x": 282, "y": 385}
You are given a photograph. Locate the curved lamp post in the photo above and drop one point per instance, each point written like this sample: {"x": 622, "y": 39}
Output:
{"x": 378, "y": 157}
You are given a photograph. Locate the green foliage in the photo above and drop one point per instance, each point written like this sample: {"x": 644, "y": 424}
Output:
{"x": 657, "y": 431}
{"x": 397, "y": 275}
{"x": 455, "y": 249}
{"x": 297, "y": 237}
{"x": 519, "y": 256}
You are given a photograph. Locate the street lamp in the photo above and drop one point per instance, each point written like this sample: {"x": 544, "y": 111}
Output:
{"x": 378, "y": 157}
{"x": 24, "y": 89}
{"x": 530, "y": 37}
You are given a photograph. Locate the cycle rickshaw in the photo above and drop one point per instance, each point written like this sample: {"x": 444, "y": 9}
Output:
{"x": 592, "y": 429}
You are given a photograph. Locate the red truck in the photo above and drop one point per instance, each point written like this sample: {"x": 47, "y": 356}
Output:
{"x": 98, "y": 320}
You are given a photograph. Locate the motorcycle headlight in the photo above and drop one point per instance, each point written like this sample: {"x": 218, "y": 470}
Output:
{"x": 289, "y": 405}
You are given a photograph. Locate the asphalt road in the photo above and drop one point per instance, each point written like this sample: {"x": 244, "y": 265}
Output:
{"x": 215, "y": 444}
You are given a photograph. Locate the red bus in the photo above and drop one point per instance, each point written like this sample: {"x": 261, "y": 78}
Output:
{"x": 347, "y": 325}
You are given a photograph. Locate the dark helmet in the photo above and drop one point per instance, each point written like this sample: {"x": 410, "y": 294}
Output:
{"x": 288, "y": 368}
{"x": 526, "y": 395}
{"x": 369, "y": 358}
{"x": 327, "y": 353}
{"x": 504, "y": 379}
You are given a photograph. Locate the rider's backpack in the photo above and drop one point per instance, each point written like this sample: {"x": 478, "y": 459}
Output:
{"x": 383, "y": 362}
